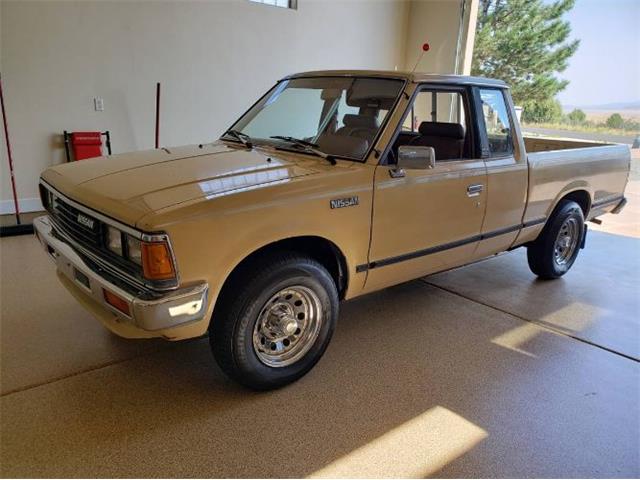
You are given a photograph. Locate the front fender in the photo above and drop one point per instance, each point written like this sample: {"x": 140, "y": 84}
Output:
{"x": 210, "y": 238}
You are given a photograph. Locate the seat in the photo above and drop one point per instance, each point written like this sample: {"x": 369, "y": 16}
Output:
{"x": 447, "y": 139}
{"x": 361, "y": 126}
{"x": 343, "y": 145}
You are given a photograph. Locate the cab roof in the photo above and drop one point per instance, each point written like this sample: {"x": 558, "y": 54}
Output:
{"x": 414, "y": 77}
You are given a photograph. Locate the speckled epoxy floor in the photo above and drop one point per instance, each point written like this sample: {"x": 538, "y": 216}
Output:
{"x": 482, "y": 371}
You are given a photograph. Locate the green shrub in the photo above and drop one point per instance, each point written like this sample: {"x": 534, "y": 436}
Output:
{"x": 545, "y": 111}
{"x": 615, "y": 121}
{"x": 577, "y": 116}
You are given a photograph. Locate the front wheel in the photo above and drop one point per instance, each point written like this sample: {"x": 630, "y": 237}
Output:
{"x": 275, "y": 321}
{"x": 553, "y": 253}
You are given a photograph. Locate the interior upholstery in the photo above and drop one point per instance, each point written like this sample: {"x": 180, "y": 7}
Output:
{"x": 373, "y": 93}
{"x": 343, "y": 145}
{"x": 361, "y": 126}
{"x": 359, "y": 121}
{"x": 447, "y": 139}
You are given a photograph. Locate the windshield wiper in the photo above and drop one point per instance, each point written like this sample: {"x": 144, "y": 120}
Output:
{"x": 308, "y": 147}
{"x": 243, "y": 138}
{"x": 296, "y": 140}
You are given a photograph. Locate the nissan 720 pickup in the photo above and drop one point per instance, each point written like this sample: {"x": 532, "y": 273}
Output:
{"x": 332, "y": 185}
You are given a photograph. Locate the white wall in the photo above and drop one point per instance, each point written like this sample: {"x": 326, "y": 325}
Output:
{"x": 437, "y": 22}
{"x": 213, "y": 58}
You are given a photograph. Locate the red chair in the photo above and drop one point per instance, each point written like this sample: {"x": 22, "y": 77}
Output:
{"x": 85, "y": 144}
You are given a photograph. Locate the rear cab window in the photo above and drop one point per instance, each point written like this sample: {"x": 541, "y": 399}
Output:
{"x": 497, "y": 123}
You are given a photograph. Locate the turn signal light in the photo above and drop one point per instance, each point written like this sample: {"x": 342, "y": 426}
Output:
{"x": 156, "y": 261}
{"x": 116, "y": 302}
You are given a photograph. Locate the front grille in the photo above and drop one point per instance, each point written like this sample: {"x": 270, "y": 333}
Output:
{"x": 84, "y": 229}
{"x": 87, "y": 232}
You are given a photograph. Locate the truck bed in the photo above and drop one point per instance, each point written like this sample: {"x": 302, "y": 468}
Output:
{"x": 544, "y": 144}
{"x": 560, "y": 166}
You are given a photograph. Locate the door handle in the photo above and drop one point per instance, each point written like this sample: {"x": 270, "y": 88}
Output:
{"x": 474, "y": 190}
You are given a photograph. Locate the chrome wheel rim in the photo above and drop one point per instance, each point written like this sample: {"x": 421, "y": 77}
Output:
{"x": 566, "y": 241}
{"x": 287, "y": 326}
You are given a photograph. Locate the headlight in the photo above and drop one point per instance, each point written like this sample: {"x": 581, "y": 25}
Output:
{"x": 114, "y": 240}
{"x": 154, "y": 256}
{"x": 134, "y": 247}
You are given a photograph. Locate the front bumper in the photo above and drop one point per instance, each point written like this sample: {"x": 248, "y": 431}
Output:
{"x": 150, "y": 314}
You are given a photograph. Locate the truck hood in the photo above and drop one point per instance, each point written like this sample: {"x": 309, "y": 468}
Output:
{"x": 129, "y": 186}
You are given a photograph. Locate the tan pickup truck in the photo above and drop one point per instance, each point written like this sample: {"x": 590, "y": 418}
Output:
{"x": 332, "y": 185}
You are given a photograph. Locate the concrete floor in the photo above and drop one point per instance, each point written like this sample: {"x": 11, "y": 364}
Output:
{"x": 479, "y": 372}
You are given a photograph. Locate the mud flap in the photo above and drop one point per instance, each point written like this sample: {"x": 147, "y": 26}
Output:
{"x": 583, "y": 243}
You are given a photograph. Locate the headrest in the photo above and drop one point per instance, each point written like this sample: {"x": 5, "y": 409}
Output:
{"x": 442, "y": 129}
{"x": 343, "y": 145}
{"x": 360, "y": 121}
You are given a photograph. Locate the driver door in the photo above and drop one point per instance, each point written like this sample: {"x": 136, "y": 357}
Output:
{"x": 428, "y": 220}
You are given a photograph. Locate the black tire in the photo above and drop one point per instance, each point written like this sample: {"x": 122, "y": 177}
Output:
{"x": 231, "y": 334}
{"x": 541, "y": 254}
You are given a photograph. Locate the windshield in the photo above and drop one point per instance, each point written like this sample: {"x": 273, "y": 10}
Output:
{"x": 341, "y": 116}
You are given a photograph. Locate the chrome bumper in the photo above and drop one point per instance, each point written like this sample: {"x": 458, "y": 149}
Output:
{"x": 620, "y": 205}
{"x": 147, "y": 311}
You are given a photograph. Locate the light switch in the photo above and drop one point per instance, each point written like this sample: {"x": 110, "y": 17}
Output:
{"x": 98, "y": 103}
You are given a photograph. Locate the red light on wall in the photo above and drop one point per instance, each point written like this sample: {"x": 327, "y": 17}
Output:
{"x": 425, "y": 47}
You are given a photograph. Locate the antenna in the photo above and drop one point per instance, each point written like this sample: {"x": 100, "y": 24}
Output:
{"x": 425, "y": 49}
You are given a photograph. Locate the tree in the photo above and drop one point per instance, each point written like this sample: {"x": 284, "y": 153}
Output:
{"x": 524, "y": 42}
{"x": 615, "y": 121}
{"x": 545, "y": 111}
{"x": 577, "y": 116}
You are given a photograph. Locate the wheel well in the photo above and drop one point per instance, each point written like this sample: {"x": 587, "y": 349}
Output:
{"x": 582, "y": 198}
{"x": 320, "y": 249}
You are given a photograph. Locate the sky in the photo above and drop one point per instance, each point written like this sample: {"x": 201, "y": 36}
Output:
{"x": 606, "y": 67}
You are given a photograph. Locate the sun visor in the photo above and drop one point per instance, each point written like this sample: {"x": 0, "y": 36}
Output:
{"x": 373, "y": 93}
{"x": 331, "y": 93}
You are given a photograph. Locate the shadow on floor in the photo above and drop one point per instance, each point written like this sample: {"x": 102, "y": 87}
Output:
{"x": 411, "y": 385}
{"x": 598, "y": 300}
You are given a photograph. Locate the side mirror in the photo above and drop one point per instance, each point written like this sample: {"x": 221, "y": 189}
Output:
{"x": 414, "y": 158}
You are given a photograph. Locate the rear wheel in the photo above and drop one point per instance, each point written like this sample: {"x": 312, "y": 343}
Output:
{"x": 275, "y": 322}
{"x": 553, "y": 253}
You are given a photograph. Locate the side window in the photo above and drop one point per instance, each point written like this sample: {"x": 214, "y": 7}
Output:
{"x": 432, "y": 106}
{"x": 497, "y": 123}
{"x": 437, "y": 119}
